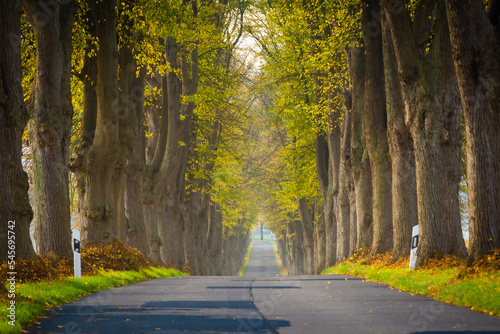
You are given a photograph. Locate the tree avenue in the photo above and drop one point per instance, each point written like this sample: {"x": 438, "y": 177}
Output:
{"x": 177, "y": 126}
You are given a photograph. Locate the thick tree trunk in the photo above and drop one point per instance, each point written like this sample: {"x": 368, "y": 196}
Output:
{"x": 476, "y": 53}
{"x": 404, "y": 193}
{"x": 298, "y": 266}
{"x": 319, "y": 238}
{"x": 95, "y": 164}
{"x": 171, "y": 230}
{"x": 308, "y": 235}
{"x": 153, "y": 209}
{"x": 331, "y": 207}
{"x": 15, "y": 209}
{"x": 359, "y": 154}
{"x": 88, "y": 76}
{"x": 197, "y": 202}
{"x": 132, "y": 100}
{"x": 430, "y": 94}
{"x": 346, "y": 199}
{"x": 158, "y": 106}
{"x": 346, "y": 160}
{"x": 214, "y": 240}
{"x": 375, "y": 130}
{"x": 343, "y": 217}
{"x": 323, "y": 172}
{"x": 50, "y": 126}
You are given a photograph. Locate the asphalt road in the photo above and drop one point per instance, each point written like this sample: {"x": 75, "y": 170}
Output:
{"x": 262, "y": 260}
{"x": 261, "y": 302}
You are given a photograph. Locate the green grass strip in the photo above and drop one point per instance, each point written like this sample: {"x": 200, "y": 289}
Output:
{"x": 480, "y": 292}
{"x": 33, "y": 299}
{"x": 247, "y": 259}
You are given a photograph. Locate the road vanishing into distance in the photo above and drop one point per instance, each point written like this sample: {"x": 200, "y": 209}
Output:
{"x": 261, "y": 302}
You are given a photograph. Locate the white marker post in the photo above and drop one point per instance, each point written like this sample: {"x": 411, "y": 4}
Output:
{"x": 414, "y": 246}
{"x": 76, "y": 253}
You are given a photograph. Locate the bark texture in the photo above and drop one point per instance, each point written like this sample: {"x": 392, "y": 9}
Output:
{"x": 94, "y": 163}
{"x": 404, "y": 193}
{"x": 51, "y": 111}
{"x": 330, "y": 196}
{"x": 306, "y": 219}
{"x": 375, "y": 129}
{"x": 323, "y": 171}
{"x": 476, "y": 53}
{"x": 430, "y": 95}
{"x": 359, "y": 153}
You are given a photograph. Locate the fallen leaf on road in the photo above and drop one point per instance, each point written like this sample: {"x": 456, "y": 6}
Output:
{"x": 331, "y": 297}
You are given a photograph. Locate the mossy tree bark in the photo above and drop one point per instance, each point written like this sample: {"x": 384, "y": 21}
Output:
{"x": 404, "y": 192}
{"x": 375, "y": 130}
{"x": 51, "y": 111}
{"x": 359, "y": 153}
{"x": 432, "y": 105}
{"x": 95, "y": 162}
{"x": 476, "y": 52}
{"x": 306, "y": 221}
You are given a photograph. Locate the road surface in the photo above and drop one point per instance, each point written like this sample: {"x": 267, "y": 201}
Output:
{"x": 261, "y": 302}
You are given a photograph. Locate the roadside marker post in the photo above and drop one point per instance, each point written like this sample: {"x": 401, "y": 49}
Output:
{"x": 414, "y": 247}
{"x": 76, "y": 254}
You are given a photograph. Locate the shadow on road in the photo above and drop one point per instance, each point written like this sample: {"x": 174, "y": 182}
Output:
{"x": 208, "y": 316}
{"x": 254, "y": 287}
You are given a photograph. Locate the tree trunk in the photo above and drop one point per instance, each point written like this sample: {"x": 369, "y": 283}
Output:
{"x": 168, "y": 168}
{"x": 214, "y": 240}
{"x": 298, "y": 254}
{"x": 348, "y": 168}
{"x": 132, "y": 101}
{"x": 331, "y": 205}
{"x": 15, "y": 209}
{"x": 50, "y": 126}
{"x": 360, "y": 160}
{"x": 404, "y": 193}
{"x": 346, "y": 237}
{"x": 343, "y": 217}
{"x": 375, "y": 130}
{"x": 323, "y": 172}
{"x": 476, "y": 53}
{"x": 430, "y": 94}
{"x": 158, "y": 106}
{"x": 95, "y": 164}
{"x": 319, "y": 238}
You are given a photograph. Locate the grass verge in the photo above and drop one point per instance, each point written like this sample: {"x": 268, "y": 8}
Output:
{"x": 446, "y": 279}
{"x": 247, "y": 259}
{"x": 33, "y": 299}
{"x": 47, "y": 281}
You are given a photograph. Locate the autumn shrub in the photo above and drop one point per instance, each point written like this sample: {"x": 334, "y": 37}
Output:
{"x": 95, "y": 258}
